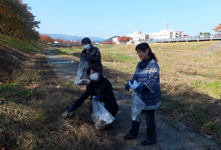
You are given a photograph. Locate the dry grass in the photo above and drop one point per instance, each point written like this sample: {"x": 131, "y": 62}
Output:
{"x": 30, "y": 114}
{"x": 190, "y": 82}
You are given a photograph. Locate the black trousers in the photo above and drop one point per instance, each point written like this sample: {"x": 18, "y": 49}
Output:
{"x": 151, "y": 126}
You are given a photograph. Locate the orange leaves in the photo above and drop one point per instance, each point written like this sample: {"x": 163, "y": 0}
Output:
{"x": 108, "y": 42}
{"x": 59, "y": 40}
{"x": 218, "y": 28}
{"x": 45, "y": 39}
{"x": 124, "y": 39}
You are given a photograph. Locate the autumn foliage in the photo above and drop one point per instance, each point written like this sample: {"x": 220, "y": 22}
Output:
{"x": 59, "y": 40}
{"x": 218, "y": 28}
{"x": 124, "y": 39}
{"x": 108, "y": 42}
{"x": 17, "y": 21}
{"x": 45, "y": 39}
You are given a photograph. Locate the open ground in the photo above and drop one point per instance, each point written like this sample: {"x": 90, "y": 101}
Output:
{"x": 34, "y": 96}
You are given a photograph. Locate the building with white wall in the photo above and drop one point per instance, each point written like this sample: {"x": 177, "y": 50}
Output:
{"x": 138, "y": 35}
{"x": 115, "y": 40}
{"x": 165, "y": 34}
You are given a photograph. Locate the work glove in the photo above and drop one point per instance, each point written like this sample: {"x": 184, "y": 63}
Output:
{"x": 70, "y": 109}
{"x": 134, "y": 85}
{"x": 127, "y": 86}
{"x": 87, "y": 58}
{"x": 96, "y": 97}
{"x": 68, "y": 113}
{"x": 139, "y": 89}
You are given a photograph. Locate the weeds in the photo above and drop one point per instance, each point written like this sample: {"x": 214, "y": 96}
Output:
{"x": 196, "y": 84}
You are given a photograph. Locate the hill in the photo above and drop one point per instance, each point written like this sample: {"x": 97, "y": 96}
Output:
{"x": 108, "y": 40}
{"x": 72, "y": 37}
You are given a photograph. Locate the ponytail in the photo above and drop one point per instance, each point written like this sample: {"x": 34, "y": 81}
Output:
{"x": 143, "y": 47}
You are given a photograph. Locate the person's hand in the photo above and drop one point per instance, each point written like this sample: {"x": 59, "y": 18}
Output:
{"x": 127, "y": 86}
{"x": 96, "y": 97}
{"x": 134, "y": 85}
{"x": 87, "y": 58}
{"x": 67, "y": 114}
{"x": 70, "y": 109}
{"x": 139, "y": 89}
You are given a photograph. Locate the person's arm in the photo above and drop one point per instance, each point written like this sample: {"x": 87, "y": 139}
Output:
{"x": 96, "y": 56}
{"x": 153, "y": 79}
{"x": 83, "y": 97}
{"x": 135, "y": 75}
{"x": 83, "y": 53}
{"x": 108, "y": 94}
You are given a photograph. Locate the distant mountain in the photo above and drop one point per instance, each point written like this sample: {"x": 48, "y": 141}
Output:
{"x": 110, "y": 39}
{"x": 70, "y": 37}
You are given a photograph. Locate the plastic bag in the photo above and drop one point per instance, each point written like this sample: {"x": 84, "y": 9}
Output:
{"x": 81, "y": 74}
{"x": 137, "y": 105}
{"x": 101, "y": 116}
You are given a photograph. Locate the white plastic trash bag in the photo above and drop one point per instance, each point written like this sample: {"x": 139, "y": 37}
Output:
{"x": 81, "y": 73}
{"x": 101, "y": 116}
{"x": 137, "y": 105}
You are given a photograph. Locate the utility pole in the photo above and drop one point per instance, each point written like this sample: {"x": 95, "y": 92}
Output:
{"x": 166, "y": 25}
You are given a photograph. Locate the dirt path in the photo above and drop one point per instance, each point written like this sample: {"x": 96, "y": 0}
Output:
{"x": 171, "y": 134}
{"x": 211, "y": 49}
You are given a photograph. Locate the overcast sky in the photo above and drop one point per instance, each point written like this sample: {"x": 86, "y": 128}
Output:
{"x": 105, "y": 18}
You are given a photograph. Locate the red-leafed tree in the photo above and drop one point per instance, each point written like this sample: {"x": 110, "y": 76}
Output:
{"x": 59, "y": 40}
{"x": 218, "y": 28}
{"x": 17, "y": 20}
{"x": 109, "y": 42}
{"x": 45, "y": 39}
{"x": 124, "y": 39}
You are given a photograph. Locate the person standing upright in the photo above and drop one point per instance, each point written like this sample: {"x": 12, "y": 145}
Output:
{"x": 91, "y": 54}
{"x": 146, "y": 83}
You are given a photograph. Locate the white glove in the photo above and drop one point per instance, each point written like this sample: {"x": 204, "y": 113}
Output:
{"x": 134, "y": 85}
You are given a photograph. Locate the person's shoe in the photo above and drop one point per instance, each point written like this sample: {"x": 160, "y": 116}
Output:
{"x": 146, "y": 142}
{"x": 128, "y": 137}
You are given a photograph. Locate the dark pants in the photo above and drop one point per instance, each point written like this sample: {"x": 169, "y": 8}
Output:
{"x": 151, "y": 126}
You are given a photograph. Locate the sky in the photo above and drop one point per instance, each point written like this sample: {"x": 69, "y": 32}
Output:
{"x": 105, "y": 18}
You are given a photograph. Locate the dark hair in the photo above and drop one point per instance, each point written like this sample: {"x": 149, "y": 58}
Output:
{"x": 86, "y": 41}
{"x": 92, "y": 68}
{"x": 143, "y": 47}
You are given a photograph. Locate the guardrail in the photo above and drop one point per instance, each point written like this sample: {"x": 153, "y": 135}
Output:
{"x": 183, "y": 40}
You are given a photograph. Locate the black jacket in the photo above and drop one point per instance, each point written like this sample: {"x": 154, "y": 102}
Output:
{"x": 95, "y": 57}
{"x": 106, "y": 95}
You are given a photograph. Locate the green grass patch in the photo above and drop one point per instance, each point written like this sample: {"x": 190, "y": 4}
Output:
{"x": 214, "y": 126}
{"x": 213, "y": 87}
{"x": 115, "y": 57}
{"x": 58, "y": 52}
{"x": 106, "y": 46}
{"x": 25, "y": 46}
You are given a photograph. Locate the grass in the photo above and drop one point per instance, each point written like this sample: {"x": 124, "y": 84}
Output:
{"x": 25, "y": 46}
{"x": 190, "y": 85}
{"x": 32, "y": 100}
{"x": 30, "y": 114}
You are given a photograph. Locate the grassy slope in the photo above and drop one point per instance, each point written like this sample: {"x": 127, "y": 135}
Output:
{"x": 31, "y": 103}
{"x": 24, "y": 46}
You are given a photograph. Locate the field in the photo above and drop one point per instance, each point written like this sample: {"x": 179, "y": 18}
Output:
{"x": 190, "y": 82}
{"x": 32, "y": 98}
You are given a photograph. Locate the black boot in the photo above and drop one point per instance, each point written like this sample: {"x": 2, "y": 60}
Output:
{"x": 133, "y": 131}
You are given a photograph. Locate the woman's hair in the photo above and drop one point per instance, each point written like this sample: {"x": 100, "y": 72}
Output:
{"x": 143, "y": 47}
{"x": 92, "y": 68}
